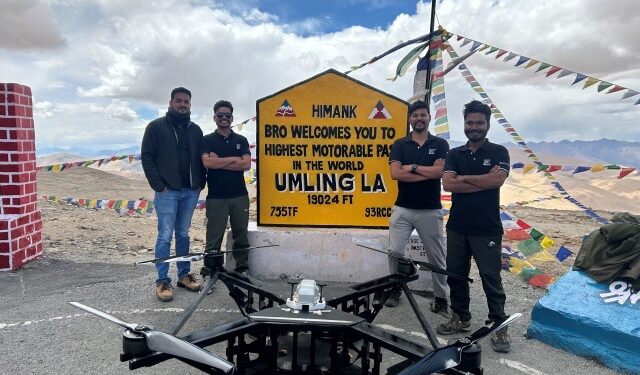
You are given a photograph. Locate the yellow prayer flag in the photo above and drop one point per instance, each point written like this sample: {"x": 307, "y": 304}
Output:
{"x": 56, "y": 168}
{"x": 517, "y": 264}
{"x": 527, "y": 168}
{"x": 597, "y": 168}
{"x": 531, "y": 63}
{"x": 442, "y": 128}
{"x": 546, "y": 242}
{"x": 437, "y": 90}
{"x": 589, "y": 82}
{"x": 542, "y": 256}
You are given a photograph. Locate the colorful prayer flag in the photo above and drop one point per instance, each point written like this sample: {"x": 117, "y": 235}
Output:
{"x": 546, "y": 242}
{"x": 563, "y": 253}
{"x": 522, "y": 224}
{"x": 625, "y": 171}
{"x": 529, "y": 247}
{"x": 535, "y": 234}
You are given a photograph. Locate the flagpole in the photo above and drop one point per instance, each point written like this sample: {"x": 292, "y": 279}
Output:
{"x": 427, "y": 95}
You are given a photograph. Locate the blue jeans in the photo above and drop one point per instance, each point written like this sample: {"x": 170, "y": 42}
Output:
{"x": 174, "y": 210}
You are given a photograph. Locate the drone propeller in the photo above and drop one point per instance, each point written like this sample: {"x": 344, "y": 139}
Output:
{"x": 451, "y": 355}
{"x": 195, "y": 256}
{"x": 429, "y": 266}
{"x": 165, "y": 343}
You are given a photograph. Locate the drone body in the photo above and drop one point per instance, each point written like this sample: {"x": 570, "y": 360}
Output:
{"x": 299, "y": 335}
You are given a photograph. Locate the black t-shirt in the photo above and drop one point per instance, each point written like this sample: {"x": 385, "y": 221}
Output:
{"x": 224, "y": 183}
{"x": 420, "y": 194}
{"x": 476, "y": 213}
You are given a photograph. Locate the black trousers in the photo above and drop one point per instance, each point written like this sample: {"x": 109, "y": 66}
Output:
{"x": 486, "y": 251}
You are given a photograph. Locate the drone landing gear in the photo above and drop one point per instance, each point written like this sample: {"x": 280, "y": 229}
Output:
{"x": 282, "y": 350}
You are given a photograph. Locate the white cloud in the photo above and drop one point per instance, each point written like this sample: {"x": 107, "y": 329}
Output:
{"x": 120, "y": 110}
{"x": 28, "y": 25}
{"x": 255, "y": 15}
{"x": 67, "y": 125}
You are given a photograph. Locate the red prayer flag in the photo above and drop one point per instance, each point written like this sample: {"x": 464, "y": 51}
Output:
{"x": 522, "y": 224}
{"x": 625, "y": 171}
{"x": 540, "y": 281}
{"x": 615, "y": 88}
{"x": 552, "y": 70}
{"x": 553, "y": 168}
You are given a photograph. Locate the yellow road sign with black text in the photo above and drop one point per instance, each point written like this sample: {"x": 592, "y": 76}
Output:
{"x": 323, "y": 153}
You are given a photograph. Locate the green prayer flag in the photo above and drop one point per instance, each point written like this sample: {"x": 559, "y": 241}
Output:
{"x": 529, "y": 272}
{"x": 535, "y": 234}
{"x": 529, "y": 247}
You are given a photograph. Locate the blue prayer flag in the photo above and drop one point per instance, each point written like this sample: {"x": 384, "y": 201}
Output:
{"x": 563, "y": 253}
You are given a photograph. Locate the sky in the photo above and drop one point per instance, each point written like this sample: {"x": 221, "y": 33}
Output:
{"x": 100, "y": 70}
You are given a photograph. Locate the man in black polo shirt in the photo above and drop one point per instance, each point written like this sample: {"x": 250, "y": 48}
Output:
{"x": 226, "y": 156}
{"x": 416, "y": 162}
{"x": 474, "y": 174}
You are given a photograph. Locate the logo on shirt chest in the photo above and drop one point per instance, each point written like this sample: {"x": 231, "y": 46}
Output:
{"x": 432, "y": 151}
{"x": 486, "y": 162}
{"x": 237, "y": 146}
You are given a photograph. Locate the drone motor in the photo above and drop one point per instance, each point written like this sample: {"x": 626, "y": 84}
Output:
{"x": 134, "y": 344}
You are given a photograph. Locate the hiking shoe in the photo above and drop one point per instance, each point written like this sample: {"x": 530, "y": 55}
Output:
{"x": 500, "y": 341}
{"x": 440, "y": 307}
{"x": 394, "y": 299}
{"x": 454, "y": 325}
{"x": 163, "y": 292}
{"x": 189, "y": 283}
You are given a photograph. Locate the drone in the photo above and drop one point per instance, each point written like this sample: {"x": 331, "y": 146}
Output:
{"x": 302, "y": 334}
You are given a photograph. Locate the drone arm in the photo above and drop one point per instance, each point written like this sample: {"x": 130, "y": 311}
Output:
{"x": 431, "y": 335}
{"x": 194, "y": 305}
{"x": 436, "y": 269}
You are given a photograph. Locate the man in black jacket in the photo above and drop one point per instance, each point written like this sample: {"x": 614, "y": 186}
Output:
{"x": 172, "y": 165}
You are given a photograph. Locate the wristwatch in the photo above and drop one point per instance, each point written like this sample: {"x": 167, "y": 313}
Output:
{"x": 414, "y": 167}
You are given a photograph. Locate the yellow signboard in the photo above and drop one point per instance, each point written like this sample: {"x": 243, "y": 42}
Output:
{"x": 323, "y": 153}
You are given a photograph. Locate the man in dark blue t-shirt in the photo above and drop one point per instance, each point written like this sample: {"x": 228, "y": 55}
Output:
{"x": 416, "y": 162}
{"x": 226, "y": 156}
{"x": 474, "y": 173}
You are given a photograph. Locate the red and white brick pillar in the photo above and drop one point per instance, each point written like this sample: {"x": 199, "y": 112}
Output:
{"x": 20, "y": 219}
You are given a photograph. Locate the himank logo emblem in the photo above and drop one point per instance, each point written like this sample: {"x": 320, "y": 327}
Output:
{"x": 285, "y": 110}
{"x": 379, "y": 112}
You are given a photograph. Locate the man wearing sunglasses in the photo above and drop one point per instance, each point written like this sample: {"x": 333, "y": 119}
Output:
{"x": 226, "y": 155}
{"x": 172, "y": 165}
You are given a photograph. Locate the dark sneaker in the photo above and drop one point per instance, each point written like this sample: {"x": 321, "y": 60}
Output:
{"x": 163, "y": 292}
{"x": 454, "y": 325}
{"x": 189, "y": 283}
{"x": 500, "y": 341}
{"x": 440, "y": 307}
{"x": 394, "y": 299}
